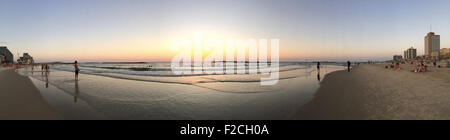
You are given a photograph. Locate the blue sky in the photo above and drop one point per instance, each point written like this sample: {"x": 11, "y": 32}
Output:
{"x": 141, "y": 30}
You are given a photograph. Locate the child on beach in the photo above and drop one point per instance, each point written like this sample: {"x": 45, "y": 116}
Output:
{"x": 77, "y": 70}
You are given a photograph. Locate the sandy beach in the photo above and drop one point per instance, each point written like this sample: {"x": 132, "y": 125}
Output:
{"x": 373, "y": 92}
{"x": 20, "y": 100}
{"x": 368, "y": 92}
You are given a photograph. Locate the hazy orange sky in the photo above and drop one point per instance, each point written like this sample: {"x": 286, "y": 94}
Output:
{"x": 143, "y": 30}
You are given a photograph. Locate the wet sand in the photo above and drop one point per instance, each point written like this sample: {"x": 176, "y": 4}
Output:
{"x": 373, "y": 92}
{"x": 20, "y": 100}
{"x": 102, "y": 97}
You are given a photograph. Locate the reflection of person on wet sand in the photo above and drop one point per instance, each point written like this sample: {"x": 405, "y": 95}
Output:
{"x": 42, "y": 69}
{"x": 46, "y": 81}
{"x": 77, "y": 91}
{"x": 318, "y": 75}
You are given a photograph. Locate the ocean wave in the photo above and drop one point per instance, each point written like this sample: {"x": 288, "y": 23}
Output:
{"x": 210, "y": 81}
{"x": 192, "y": 79}
{"x": 156, "y": 71}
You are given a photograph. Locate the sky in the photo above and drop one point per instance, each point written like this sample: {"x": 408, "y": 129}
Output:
{"x": 144, "y": 30}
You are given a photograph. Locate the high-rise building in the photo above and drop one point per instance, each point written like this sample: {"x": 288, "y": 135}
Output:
{"x": 405, "y": 53}
{"x": 432, "y": 45}
{"x": 410, "y": 53}
{"x": 8, "y": 56}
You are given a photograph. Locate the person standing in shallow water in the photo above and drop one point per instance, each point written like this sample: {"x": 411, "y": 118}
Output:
{"x": 318, "y": 65}
{"x": 348, "y": 66}
{"x": 77, "y": 70}
{"x": 318, "y": 71}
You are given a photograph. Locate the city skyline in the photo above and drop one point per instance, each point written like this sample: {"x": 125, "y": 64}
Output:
{"x": 139, "y": 30}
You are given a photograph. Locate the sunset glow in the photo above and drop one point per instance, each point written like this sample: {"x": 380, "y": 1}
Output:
{"x": 117, "y": 30}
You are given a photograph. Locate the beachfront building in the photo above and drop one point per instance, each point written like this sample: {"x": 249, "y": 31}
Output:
{"x": 410, "y": 53}
{"x": 7, "y": 55}
{"x": 405, "y": 53}
{"x": 25, "y": 59}
{"x": 432, "y": 46}
{"x": 2, "y": 58}
{"x": 445, "y": 53}
{"x": 397, "y": 58}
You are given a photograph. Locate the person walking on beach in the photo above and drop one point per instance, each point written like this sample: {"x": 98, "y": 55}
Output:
{"x": 318, "y": 65}
{"x": 77, "y": 70}
{"x": 348, "y": 66}
{"x": 434, "y": 63}
{"x": 47, "y": 69}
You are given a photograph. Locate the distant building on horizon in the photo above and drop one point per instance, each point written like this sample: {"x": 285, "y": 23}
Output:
{"x": 410, "y": 53}
{"x": 432, "y": 45}
{"x": 6, "y": 55}
{"x": 397, "y": 58}
{"x": 445, "y": 53}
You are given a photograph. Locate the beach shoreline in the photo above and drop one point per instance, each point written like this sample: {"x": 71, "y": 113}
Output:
{"x": 128, "y": 98}
{"x": 21, "y": 100}
{"x": 368, "y": 92}
{"x": 371, "y": 92}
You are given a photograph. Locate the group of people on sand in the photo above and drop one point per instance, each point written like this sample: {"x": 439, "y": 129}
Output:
{"x": 424, "y": 68}
{"x": 394, "y": 66}
{"x": 45, "y": 67}
{"x": 421, "y": 67}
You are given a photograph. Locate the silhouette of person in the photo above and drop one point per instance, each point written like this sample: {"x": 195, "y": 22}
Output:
{"x": 77, "y": 70}
{"x": 318, "y": 65}
{"x": 348, "y": 66}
